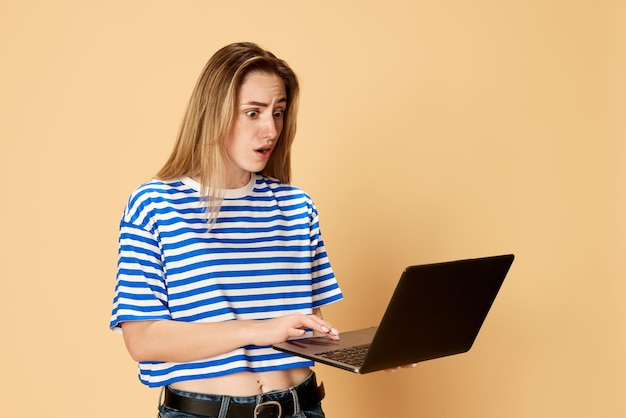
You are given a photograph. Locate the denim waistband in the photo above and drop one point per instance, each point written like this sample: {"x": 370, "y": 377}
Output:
{"x": 293, "y": 399}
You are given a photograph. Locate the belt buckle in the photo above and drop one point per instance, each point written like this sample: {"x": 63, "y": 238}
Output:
{"x": 260, "y": 408}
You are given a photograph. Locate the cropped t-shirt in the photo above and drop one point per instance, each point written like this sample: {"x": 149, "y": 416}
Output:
{"x": 263, "y": 258}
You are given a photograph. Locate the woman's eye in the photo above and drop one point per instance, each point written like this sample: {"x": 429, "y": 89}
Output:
{"x": 252, "y": 113}
{"x": 279, "y": 113}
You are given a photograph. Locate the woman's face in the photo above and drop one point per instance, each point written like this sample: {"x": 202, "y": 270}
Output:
{"x": 259, "y": 113}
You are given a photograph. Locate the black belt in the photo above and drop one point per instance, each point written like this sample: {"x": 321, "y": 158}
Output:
{"x": 308, "y": 396}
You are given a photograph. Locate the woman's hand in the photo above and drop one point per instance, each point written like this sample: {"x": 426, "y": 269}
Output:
{"x": 277, "y": 330}
{"x": 407, "y": 366}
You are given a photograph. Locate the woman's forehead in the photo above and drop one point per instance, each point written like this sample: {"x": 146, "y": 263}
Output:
{"x": 259, "y": 86}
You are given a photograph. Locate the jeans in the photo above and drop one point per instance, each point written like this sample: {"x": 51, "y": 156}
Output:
{"x": 314, "y": 411}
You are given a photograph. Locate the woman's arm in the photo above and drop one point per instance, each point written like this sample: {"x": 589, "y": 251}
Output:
{"x": 176, "y": 341}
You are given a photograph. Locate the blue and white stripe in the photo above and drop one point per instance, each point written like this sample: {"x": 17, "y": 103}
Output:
{"x": 263, "y": 258}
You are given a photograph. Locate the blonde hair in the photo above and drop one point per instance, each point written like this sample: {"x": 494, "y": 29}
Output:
{"x": 200, "y": 150}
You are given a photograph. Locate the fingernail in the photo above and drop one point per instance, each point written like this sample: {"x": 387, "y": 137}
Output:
{"x": 334, "y": 331}
{"x": 325, "y": 329}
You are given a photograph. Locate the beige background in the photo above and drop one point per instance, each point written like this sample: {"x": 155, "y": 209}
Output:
{"x": 429, "y": 131}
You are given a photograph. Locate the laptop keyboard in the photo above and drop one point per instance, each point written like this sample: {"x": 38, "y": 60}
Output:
{"x": 350, "y": 355}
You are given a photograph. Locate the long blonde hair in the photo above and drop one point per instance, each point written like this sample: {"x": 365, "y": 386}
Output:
{"x": 200, "y": 149}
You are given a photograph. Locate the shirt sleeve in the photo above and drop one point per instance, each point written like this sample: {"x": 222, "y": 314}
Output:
{"x": 140, "y": 291}
{"x": 325, "y": 287}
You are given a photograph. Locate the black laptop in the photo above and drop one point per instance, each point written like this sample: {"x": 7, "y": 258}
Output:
{"x": 436, "y": 310}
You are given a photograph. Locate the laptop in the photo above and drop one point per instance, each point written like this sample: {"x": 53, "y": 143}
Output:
{"x": 435, "y": 311}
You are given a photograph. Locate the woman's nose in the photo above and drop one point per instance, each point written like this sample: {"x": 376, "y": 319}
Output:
{"x": 270, "y": 130}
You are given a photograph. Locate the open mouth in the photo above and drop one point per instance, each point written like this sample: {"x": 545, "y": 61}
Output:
{"x": 265, "y": 151}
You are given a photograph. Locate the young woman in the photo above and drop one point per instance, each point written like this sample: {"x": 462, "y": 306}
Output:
{"x": 220, "y": 257}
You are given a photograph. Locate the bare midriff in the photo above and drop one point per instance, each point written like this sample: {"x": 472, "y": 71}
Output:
{"x": 246, "y": 383}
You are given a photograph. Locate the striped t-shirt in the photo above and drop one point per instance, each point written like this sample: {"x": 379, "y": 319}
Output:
{"x": 263, "y": 258}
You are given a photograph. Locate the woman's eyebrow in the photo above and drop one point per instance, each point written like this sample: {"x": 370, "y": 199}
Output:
{"x": 261, "y": 104}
